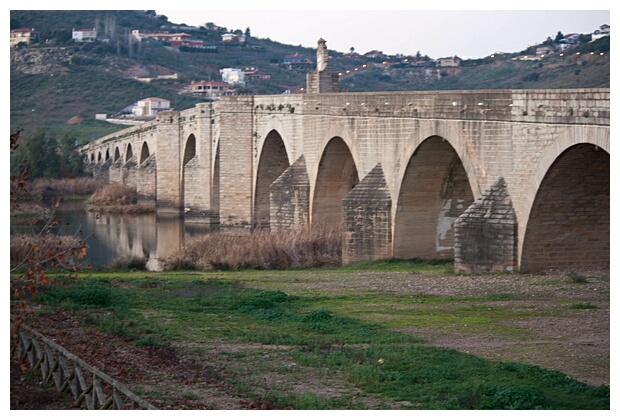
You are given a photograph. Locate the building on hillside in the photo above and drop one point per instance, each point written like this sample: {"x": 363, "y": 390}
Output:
{"x": 84, "y": 35}
{"x": 252, "y": 74}
{"x": 194, "y": 43}
{"x": 297, "y": 61}
{"x": 149, "y": 107}
{"x": 232, "y": 37}
{"x": 210, "y": 89}
{"x": 24, "y": 35}
{"x": 570, "y": 39}
{"x": 449, "y": 61}
{"x": 174, "y": 39}
{"x": 233, "y": 76}
{"x": 601, "y": 32}
{"x": 374, "y": 54}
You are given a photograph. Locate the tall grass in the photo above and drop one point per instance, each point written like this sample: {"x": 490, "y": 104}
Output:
{"x": 117, "y": 199}
{"x": 318, "y": 247}
{"x": 114, "y": 194}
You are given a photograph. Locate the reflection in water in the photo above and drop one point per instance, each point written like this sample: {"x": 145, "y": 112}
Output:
{"x": 108, "y": 236}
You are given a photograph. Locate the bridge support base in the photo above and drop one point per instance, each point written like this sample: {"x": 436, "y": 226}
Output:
{"x": 485, "y": 235}
{"x": 366, "y": 219}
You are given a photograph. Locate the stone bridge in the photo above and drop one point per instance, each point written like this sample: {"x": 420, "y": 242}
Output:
{"x": 499, "y": 180}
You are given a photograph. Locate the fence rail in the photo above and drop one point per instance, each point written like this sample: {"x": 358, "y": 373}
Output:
{"x": 90, "y": 388}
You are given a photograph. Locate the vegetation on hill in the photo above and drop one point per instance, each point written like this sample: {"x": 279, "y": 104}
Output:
{"x": 61, "y": 85}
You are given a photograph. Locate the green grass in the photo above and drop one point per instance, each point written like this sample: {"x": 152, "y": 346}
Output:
{"x": 349, "y": 337}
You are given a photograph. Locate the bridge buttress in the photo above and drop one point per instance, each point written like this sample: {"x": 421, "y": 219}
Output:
{"x": 289, "y": 198}
{"x": 485, "y": 235}
{"x": 366, "y": 219}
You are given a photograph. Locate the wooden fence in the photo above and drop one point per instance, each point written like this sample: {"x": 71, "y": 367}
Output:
{"x": 91, "y": 388}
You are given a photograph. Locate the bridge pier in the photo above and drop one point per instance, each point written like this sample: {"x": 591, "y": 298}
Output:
{"x": 168, "y": 179}
{"x": 146, "y": 181}
{"x": 236, "y": 148}
{"x": 485, "y": 235}
{"x": 289, "y": 198}
{"x": 367, "y": 220}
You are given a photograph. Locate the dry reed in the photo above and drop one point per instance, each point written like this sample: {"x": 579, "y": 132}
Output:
{"x": 261, "y": 249}
{"x": 114, "y": 195}
{"x": 46, "y": 250}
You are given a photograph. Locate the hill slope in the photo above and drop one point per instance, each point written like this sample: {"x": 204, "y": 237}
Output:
{"x": 60, "y": 85}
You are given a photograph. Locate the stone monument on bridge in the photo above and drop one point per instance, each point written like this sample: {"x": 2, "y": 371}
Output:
{"x": 322, "y": 80}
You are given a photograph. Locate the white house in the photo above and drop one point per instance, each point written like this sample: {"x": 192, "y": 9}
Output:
{"x": 85, "y": 35}
{"x": 24, "y": 35}
{"x": 233, "y": 76}
{"x": 149, "y": 107}
{"x": 230, "y": 37}
{"x": 601, "y": 32}
{"x": 449, "y": 61}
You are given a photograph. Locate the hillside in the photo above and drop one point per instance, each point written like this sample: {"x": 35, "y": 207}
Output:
{"x": 60, "y": 85}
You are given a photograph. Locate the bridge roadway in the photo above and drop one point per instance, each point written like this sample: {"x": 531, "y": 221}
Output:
{"x": 499, "y": 180}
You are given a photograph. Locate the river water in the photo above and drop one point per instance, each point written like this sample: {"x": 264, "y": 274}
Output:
{"x": 110, "y": 236}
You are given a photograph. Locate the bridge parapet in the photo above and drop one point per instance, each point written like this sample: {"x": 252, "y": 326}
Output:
{"x": 566, "y": 106}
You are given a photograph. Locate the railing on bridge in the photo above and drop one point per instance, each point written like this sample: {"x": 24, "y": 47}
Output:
{"x": 90, "y": 388}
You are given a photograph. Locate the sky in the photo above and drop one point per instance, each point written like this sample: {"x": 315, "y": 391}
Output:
{"x": 436, "y": 33}
{"x": 471, "y": 29}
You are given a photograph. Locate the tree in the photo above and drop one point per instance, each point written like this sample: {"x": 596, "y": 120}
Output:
{"x": 548, "y": 42}
{"x": 558, "y": 37}
{"x": 71, "y": 163}
{"x": 41, "y": 154}
{"x": 32, "y": 255}
{"x": 247, "y": 33}
{"x": 352, "y": 49}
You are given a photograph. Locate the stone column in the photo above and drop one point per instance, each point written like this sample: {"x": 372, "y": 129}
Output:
{"x": 236, "y": 146}
{"x": 168, "y": 152}
{"x": 322, "y": 80}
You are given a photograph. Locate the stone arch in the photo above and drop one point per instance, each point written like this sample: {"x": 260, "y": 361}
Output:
{"x": 336, "y": 176}
{"x": 273, "y": 161}
{"x": 107, "y": 155}
{"x": 144, "y": 153}
{"x": 128, "y": 153}
{"x": 99, "y": 156}
{"x": 117, "y": 154}
{"x": 189, "y": 153}
{"x": 215, "y": 184}
{"x": 92, "y": 157}
{"x": 597, "y": 136}
{"x": 569, "y": 221}
{"x": 190, "y": 149}
{"x": 275, "y": 124}
{"x": 434, "y": 191}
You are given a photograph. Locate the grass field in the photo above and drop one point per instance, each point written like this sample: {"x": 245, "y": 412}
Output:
{"x": 346, "y": 338}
